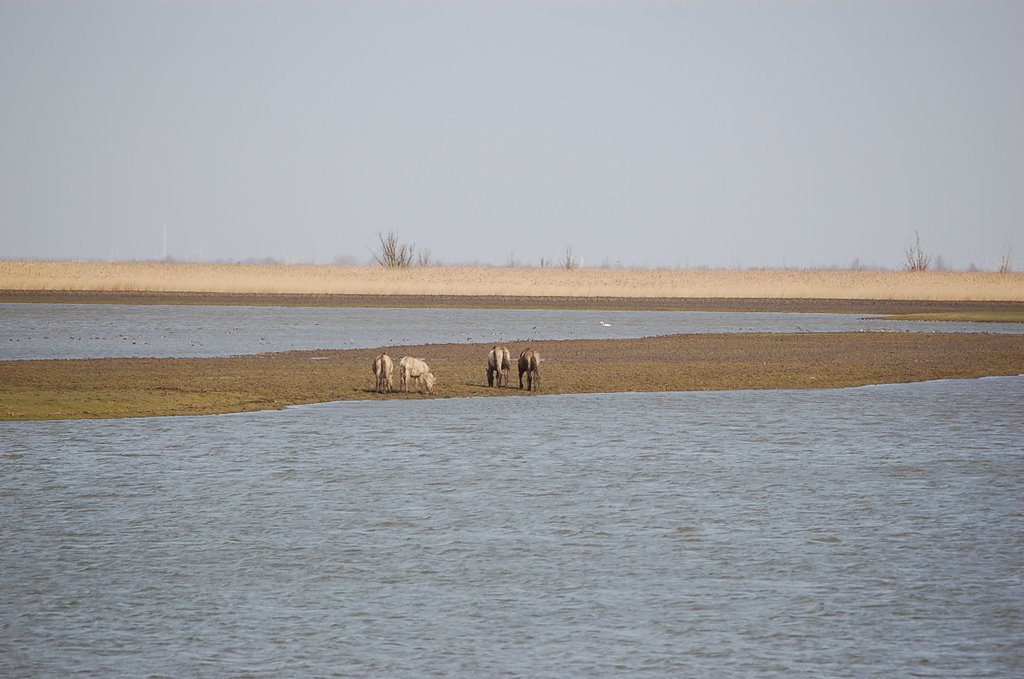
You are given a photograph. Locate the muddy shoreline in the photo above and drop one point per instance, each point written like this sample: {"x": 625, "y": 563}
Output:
{"x": 754, "y": 304}
{"x": 125, "y": 387}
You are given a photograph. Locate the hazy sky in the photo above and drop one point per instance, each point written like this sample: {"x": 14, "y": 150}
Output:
{"x": 692, "y": 133}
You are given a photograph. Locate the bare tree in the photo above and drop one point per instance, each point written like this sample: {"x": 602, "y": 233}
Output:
{"x": 569, "y": 260}
{"x": 394, "y": 253}
{"x": 1006, "y": 262}
{"x": 917, "y": 259}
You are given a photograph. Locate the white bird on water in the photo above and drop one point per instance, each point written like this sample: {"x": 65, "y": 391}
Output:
{"x": 607, "y": 325}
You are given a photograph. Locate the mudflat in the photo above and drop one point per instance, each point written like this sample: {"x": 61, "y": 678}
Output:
{"x": 127, "y": 387}
{"x": 974, "y": 310}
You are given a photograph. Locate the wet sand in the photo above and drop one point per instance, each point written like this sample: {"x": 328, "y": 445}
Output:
{"x": 450, "y": 301}
{"x": 102, "y": 388}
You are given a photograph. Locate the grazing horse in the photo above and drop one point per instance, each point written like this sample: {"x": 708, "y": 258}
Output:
{"x": 415, "y": 370}
{"x": 499, "y": 363}
{"x": 529, "y": 363}
{"x": 383, "y": 366}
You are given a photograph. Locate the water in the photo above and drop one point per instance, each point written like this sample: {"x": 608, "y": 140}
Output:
{"x": 36, "y": 331}
{"x": 876, "y": 531}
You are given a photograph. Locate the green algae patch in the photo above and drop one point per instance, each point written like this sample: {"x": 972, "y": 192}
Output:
{"x": 986, "y": 316}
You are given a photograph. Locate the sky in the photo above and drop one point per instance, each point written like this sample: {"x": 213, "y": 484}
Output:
{"x": 637, "y": 133}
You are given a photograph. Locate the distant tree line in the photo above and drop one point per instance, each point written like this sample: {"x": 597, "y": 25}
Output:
{"x": 392, "y": 252}
{"x": 917, "y": 259}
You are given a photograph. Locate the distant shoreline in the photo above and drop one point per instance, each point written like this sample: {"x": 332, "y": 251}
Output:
{"x": 780, "y": 305}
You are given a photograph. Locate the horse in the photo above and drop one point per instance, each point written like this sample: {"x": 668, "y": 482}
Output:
{"x": 529, "y": 363}
{"x": 383, "y": 366}
{"x": 415, "y": 370}
{"x": 499, "y": 363}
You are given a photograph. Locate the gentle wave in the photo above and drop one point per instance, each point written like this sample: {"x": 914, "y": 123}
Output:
{"x": 867, "y": 531}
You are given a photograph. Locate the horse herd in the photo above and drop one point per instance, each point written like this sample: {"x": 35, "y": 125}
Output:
{"x": 414, "y": 372}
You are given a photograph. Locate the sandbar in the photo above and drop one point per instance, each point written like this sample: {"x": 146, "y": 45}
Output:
{"x": 141, "y": 387}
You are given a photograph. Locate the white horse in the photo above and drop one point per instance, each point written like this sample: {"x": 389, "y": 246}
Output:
{"x": 415, "y": 370}
{"x": 499, "y": 363}
{"x": 529, "y": 363}
{"x": 383, "y": 366}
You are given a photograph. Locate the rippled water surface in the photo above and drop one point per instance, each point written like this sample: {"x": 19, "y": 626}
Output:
{"x": 876, "y": 531}
{"x": 29, "y": 331}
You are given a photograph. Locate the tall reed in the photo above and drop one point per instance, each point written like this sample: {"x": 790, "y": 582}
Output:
{"x": 21, "y": 275}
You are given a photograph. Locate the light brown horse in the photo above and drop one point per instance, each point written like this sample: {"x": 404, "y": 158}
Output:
{"x": 529, "y": 363}
{"x": 415, "y": 371}
{"x": 383, "y": 366}
{"x": 499, "y": 363}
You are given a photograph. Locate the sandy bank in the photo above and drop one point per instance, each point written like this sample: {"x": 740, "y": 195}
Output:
{"x": 144, "y": 387}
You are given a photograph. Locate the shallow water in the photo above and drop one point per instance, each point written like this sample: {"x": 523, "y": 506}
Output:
{"x": 36, "y": 331}
{"x": 876, "y": 531}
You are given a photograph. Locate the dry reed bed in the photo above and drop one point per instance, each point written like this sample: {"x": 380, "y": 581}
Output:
{"x": 19, "y": 275}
